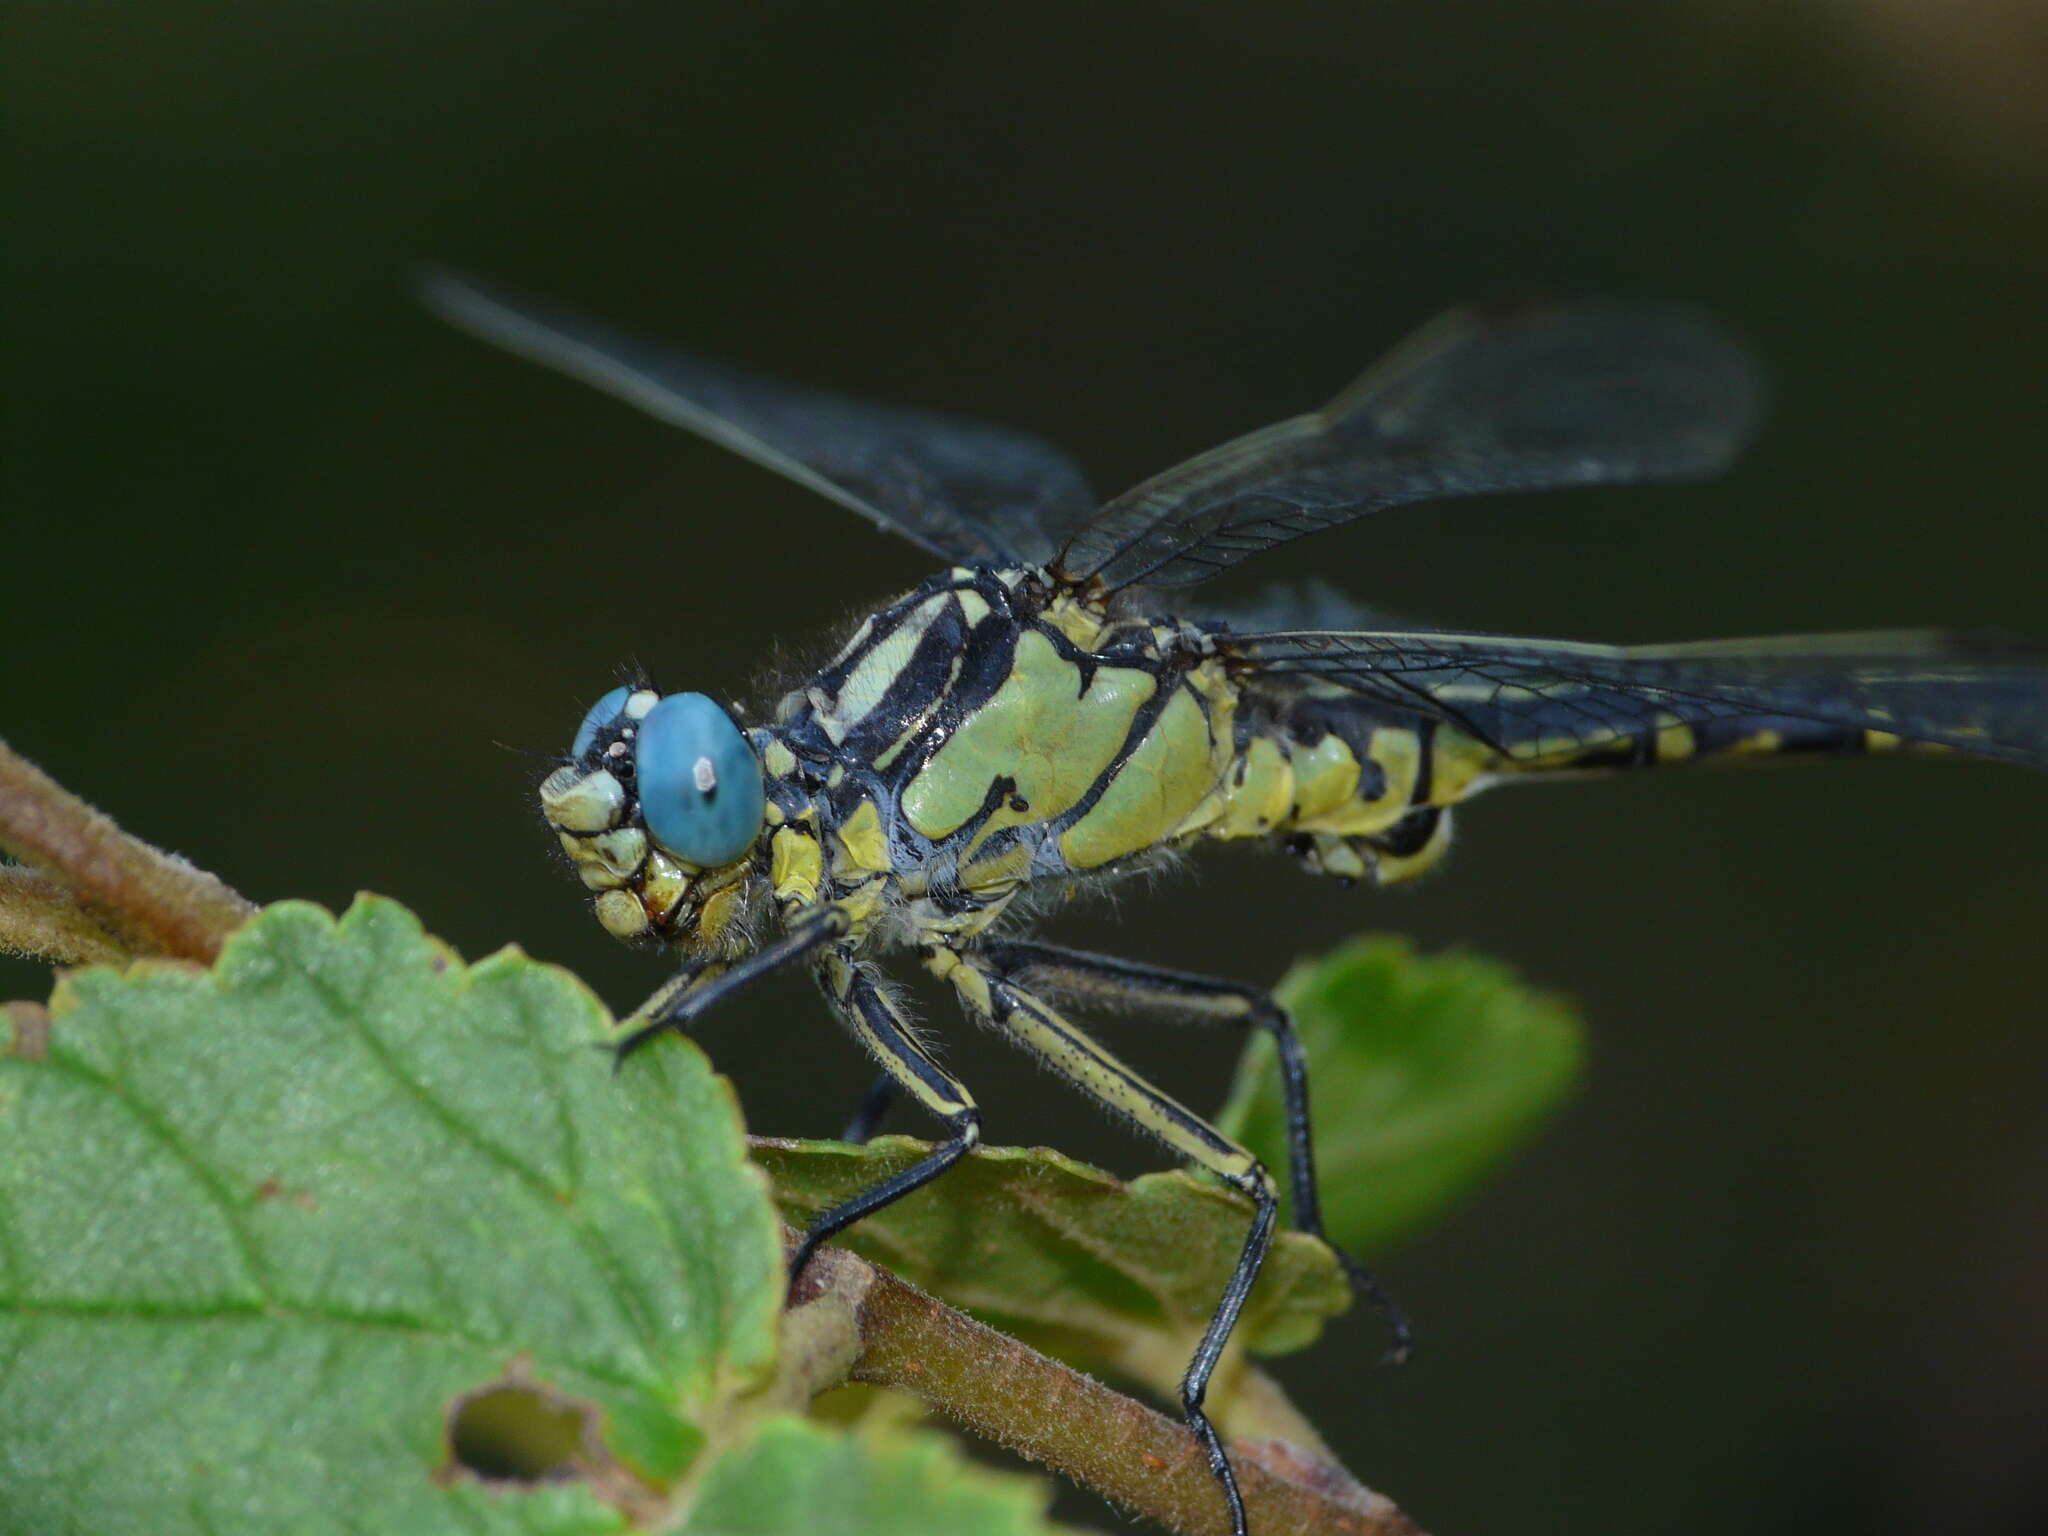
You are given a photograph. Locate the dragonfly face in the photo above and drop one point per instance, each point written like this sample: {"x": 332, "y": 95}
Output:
{"x": 659, "y": 810}
{"x": 1045, "y": 711}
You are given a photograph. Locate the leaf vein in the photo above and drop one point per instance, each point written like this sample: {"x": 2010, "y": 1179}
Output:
{"x": 628, "y": 1295}
{"x": 164, "y": 1131}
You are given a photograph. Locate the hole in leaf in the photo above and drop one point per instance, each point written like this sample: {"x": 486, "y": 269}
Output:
{"x": 27, "y": 1034}
{"x": 517, "y": 1433}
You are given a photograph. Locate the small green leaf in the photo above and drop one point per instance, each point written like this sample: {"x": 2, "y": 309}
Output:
{"x": 1066, "y": 1254}
{"x": 796, "y": 1478}
{"x": 1423, "y": 1072}
{"x": 264, "y": 1228}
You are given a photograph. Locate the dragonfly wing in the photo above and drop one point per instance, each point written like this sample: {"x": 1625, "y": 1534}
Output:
{"x": 1311, "y": 604}
{"x": 1478, "y": 401}
{"x": 1538, "y": 700}
{"x": 960, "y": 490}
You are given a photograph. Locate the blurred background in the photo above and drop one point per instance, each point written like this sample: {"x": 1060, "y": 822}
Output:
{"x": 298, "y": 584}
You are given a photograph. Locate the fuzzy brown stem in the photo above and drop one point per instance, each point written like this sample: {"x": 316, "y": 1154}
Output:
{"x": 41, "y": 920}
{"x": 153, "y": 902}
{"x": 1050, "y": 1413}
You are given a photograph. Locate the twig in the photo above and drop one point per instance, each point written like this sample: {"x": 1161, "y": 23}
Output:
{"x": 43, "y": 921}
{"x": 153, "y": 902}
{"x": 1050, "y": 1413}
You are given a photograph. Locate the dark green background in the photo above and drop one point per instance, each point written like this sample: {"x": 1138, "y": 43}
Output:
{"x": 288, "y": 570}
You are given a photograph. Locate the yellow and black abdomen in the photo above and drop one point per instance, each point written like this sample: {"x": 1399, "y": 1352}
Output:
{"x": 1396, "y": 726}
{"x": 1732, "y": 737}
{"x": 1362, "y": 790}
{"x": 1358, "y": 789}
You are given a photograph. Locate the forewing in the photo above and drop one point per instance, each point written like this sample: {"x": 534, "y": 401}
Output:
{"x": 1536, "y": 699}
{"x": 963, "y": 491}
{"x": 1476, "y": 402}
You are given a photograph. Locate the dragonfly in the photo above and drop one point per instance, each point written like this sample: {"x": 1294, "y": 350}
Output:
{"x": 1048, "y": 709}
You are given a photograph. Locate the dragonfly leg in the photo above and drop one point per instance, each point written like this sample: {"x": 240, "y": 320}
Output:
{"x": 703, "y": 985}
{"x": 857, "y": 998}
{"x": 1031, "y": 1022}
{"x": 867, "y": 1119}
{"x": 1179, "y": 996}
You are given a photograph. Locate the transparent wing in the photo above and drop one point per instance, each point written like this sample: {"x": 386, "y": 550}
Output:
{"x": 1311, "y": 604}
{"x": 962, "y": 491}
{"x": 1478, "y": 401}
{"x": 1537, "y": 699}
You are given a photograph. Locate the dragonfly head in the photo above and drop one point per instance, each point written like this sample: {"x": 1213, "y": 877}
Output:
{"x": 659, "y": 808}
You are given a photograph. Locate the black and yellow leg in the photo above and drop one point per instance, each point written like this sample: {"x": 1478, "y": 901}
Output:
{"x": 1034, "y": 1024}
{"x": 859, "y": 1001}
{"x": 1078, "y": 977}
{"x": 702, "y": 985}
{"x": 667, "y": 999}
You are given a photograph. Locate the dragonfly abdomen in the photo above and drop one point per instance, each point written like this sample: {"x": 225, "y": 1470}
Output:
{"x": 1734, "y": 737}
{"x": 1359, "y": 790}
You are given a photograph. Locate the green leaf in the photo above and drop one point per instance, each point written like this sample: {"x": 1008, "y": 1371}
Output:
{"x": 262, "y": 1227}
{"x": 1423, "y": 1073}
{"x": 797, "y": 1479}
{"x": 1066, "y": 1254}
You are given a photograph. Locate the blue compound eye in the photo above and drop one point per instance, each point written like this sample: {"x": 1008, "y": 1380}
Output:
{"x": 699, "y": 781}
{"x": 602, "y": 714}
